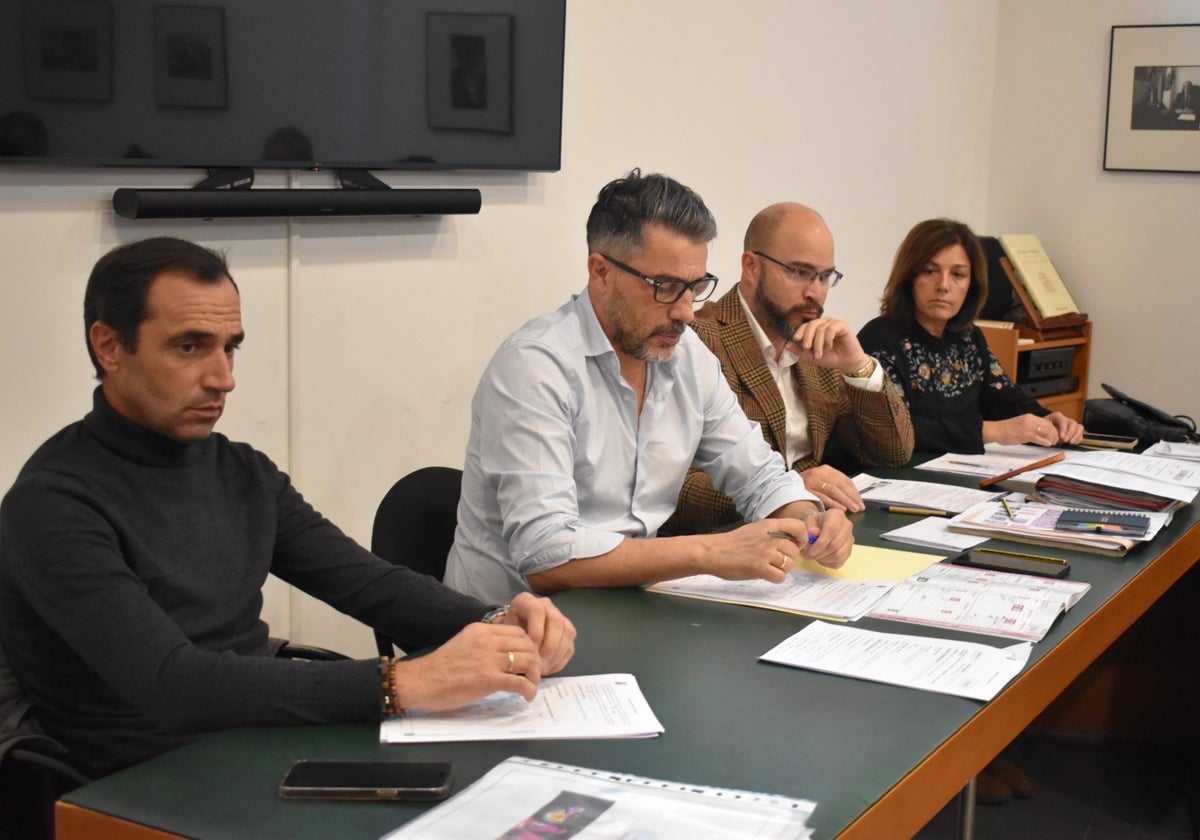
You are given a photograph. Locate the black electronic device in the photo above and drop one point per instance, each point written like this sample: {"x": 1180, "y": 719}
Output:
{"x": 1143, "y": 408}
{"x": 1095, "y": 440}
{"x": 1050, "y": 387}
{"x": 211, "y": 204}
{"x": 1123, "y": 415}
{"x": 1047, "y": 363}
{"x": 393, "y": 780}
{"x": 1005, "y": 561}
{"x": 1001, "y": 302}
{"x": 283, "y": 84}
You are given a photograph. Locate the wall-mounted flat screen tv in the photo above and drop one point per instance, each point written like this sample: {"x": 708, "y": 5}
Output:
{"x": 301, "y": 84}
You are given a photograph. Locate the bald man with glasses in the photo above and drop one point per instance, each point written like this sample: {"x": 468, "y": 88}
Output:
{"x": 802, "y": 376}
{"x": 586, "y": 421}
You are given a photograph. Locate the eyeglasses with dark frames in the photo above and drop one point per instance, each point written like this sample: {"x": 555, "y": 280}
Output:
{"x": 804, "y": 275}
{"x": 669, "y": 290}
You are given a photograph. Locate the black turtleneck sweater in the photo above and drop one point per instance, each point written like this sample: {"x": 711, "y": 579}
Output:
{"x": 131, "y": 569}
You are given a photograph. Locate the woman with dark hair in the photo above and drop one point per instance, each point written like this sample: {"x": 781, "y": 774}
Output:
{"x": 927, "y": 341}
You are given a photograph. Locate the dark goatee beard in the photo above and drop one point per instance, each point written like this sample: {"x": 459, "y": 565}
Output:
{"x": 779, "y": 321}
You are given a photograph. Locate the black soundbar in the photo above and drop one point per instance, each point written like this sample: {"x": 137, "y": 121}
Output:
{"x": 212, "y": 204}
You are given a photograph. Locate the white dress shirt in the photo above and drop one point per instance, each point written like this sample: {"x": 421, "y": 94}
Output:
{"x": 798, "y": 444}
{"x": 559, "y": 464}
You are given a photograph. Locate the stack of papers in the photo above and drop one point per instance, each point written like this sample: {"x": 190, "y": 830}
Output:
{"x": 811, "y": 589}
{"x": 1034, "y": 523}
{"x": 981, "y": 601}
{"x": 997, "y": 460}
{"x": 965, "y": 669}
{"x": 522, "y": 798}
{"x": 1178, "y": 451}
{"x": 1119, "y": 480}
{"x": 605, "y": 706}
{"x": 933, "y": 532}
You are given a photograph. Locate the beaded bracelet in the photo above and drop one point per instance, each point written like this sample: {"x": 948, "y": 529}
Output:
{"x": 389, "y": 703}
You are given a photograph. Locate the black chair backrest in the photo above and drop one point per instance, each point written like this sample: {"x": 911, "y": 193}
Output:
{"x": 415, "y": 522}
{"x": 35, "y": 769}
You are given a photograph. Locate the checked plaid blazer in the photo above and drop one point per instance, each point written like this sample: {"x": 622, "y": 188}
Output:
{"x": 873, "y": 427}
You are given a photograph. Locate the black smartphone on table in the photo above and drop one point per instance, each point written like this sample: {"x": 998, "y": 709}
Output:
{"x": 1004, "y": 561}
{"x": 423, "y": 781}
{"x": 1095, "y": 440}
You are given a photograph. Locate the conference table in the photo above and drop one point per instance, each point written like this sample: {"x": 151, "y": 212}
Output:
{"x": 879, "y": 760}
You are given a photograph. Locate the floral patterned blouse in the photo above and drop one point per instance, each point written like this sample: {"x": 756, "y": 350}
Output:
{"x": 951, "y": 384}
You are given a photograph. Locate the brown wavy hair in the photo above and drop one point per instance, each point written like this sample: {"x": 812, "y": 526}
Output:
{"x": 924, "y": 241}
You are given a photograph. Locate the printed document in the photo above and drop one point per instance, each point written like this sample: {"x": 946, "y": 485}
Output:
{"x": 811, "y": 589}
{"x": 1179, "y": 451}
{"x": 933, "y": 532}
{"x": 1115, "y": 485}
{"x": 1166, "y": 470}
{"x": 604, "y": 706}
{"x": 981, "y": 601}
{"x": 997, "y": 459}
{"x": 525, "y": 799}
{"x": 965, "y": 669}
{"x": 927, "y": 495}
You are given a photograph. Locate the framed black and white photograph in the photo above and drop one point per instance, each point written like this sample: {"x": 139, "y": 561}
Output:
{"x": 468, "y": 70}
{"x": 189, "y": 57}
{"x": 1154, "y": 99}
{"x": 67, "y": 50}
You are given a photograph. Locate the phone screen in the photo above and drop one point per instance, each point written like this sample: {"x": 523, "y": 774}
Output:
{"x": 417, "y": 780}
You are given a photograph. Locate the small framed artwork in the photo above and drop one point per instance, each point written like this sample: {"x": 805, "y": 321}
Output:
{"x": 67, "y": 50}
{"x": 1154, "y": 99}
{"x": 468, "y": 71}
{"x": 189, "y": 57}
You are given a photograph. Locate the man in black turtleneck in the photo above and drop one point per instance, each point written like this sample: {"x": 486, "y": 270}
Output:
{"x": 134, "y": 545}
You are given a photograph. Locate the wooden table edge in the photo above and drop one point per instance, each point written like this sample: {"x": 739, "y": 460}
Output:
{"x": 73, "y": 822}
{"x": 918, "y": 797}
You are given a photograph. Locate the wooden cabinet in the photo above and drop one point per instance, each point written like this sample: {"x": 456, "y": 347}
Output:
{"x": 1008, "y": 346}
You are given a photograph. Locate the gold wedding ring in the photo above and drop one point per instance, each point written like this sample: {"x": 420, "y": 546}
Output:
{"x": 512, "y": 660}
{"x": 824, "y": 484}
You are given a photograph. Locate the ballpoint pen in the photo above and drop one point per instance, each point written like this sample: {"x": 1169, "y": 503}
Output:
{"x": 812, "y": 538}
{"x": 1007, "y": 509}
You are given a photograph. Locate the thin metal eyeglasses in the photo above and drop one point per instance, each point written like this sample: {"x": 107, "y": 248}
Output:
{"x": 828, "y": 278}
{"x": 667, "y": 290}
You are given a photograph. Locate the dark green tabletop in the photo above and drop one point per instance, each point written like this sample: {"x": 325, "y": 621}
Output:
{"x": 730, "y": 720}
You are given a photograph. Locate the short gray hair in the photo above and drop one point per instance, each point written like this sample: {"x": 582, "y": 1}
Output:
{"x": 625, "y": 206}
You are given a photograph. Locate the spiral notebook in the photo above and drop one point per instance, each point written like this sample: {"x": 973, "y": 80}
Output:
{"x": 1035, "y": 523}
{"x": 1110, "y": 523}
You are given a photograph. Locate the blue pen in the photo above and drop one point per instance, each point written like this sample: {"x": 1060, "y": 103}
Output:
{"x": 812, "y": 538}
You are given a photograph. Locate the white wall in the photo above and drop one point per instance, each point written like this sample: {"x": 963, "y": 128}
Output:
{"x": 749, "y": 103}
{"x": 366, "y": 336}
{"x": 1122, "y": 241}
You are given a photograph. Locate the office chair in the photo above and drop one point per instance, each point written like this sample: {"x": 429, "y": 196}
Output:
{"x": 35, "y": 769}
{"x": 284, "y": 649}
{"x": 414, "y": 526}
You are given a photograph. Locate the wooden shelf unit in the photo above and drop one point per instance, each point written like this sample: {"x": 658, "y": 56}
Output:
{"x": 1007, "y": 350}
